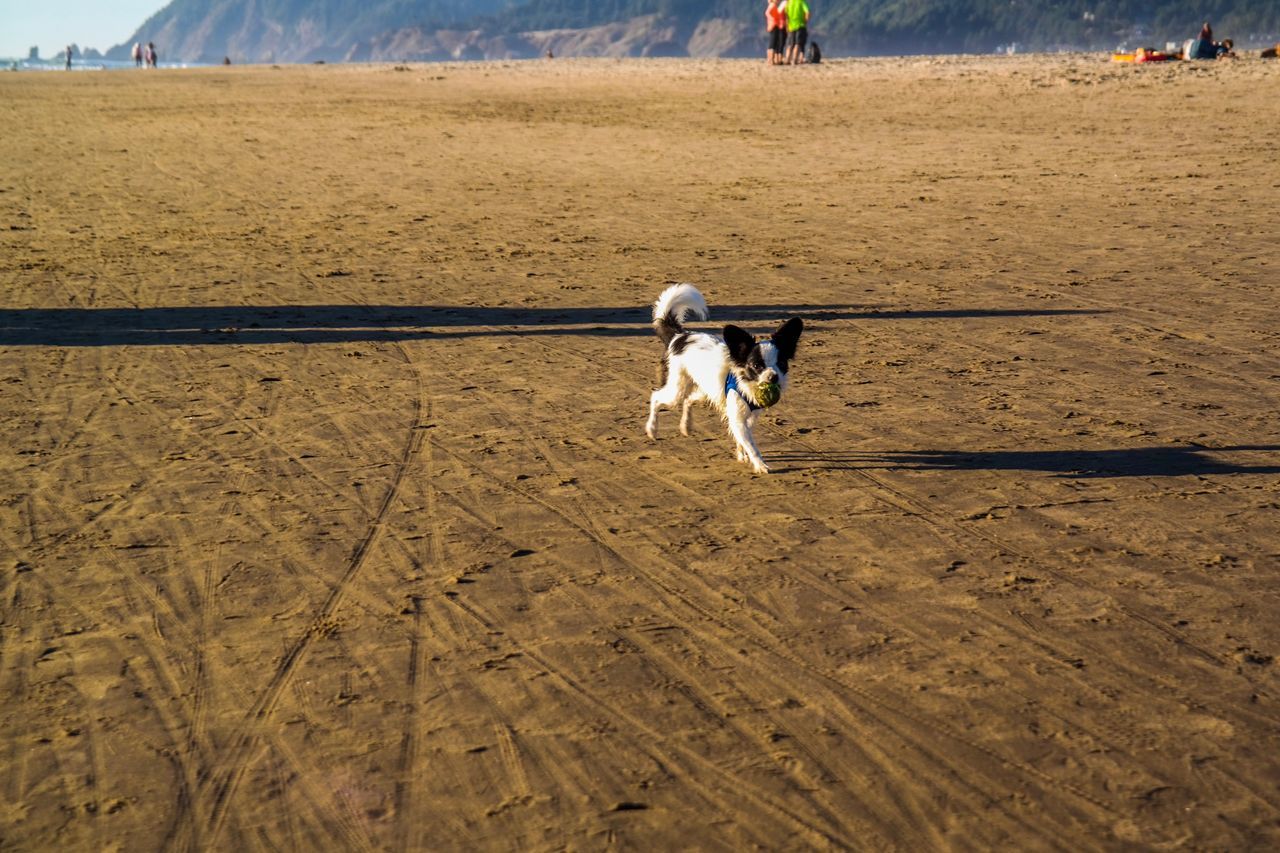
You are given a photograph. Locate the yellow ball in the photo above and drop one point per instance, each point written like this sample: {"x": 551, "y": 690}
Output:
{"x": 768, "y": 393}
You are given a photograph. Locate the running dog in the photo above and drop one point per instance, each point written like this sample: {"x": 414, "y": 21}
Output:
{"x": 736, "y": 374}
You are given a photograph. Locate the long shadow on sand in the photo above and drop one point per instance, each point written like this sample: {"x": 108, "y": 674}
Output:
{"x": 1177, "y": 461}
{"x": 77, "y": 327}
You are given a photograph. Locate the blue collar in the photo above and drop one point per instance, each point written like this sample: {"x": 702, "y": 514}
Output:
{"x": 731, "y": 385}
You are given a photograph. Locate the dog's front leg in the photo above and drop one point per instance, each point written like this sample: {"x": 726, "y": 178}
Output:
{"x": 740, "y": 427}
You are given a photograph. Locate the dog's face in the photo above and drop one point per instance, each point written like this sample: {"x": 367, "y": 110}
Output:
{"x": 765, "y": 360}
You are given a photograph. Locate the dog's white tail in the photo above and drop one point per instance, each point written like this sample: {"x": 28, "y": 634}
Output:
{"x": 677, "y": 303}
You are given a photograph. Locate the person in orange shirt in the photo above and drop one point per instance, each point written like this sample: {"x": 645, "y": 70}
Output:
{"x": 775, "y": 25}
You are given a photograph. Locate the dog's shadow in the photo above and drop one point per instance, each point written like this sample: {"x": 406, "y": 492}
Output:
{"x": 1167, "y": 461}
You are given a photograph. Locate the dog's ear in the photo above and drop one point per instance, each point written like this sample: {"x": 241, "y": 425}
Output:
{"x": 739, "y": 342}
{"x": 787, "y": 337}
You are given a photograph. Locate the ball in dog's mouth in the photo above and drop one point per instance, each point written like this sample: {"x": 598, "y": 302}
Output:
{"x": 768, "y": 393}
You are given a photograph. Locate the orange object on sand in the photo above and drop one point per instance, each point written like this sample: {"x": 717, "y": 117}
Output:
{"x": 1143, "y": 54}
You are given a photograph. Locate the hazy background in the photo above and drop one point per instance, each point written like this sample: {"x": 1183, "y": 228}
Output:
{"x": 53, "y": 24}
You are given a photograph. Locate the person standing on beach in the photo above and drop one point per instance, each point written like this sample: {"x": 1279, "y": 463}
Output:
{"x": 775, "y": 25}
{"x": 797, "y": 30}
{"x": 69, "y": 49}
{"x": 137, "y": 54}
{"x": 150, "y": 53}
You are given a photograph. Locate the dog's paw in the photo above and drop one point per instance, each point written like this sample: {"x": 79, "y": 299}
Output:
{"x": 651, "y": 430}
{"x": 760, "y": 468}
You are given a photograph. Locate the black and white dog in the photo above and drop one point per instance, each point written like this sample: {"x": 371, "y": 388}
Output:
{"x": 733, "y": 374}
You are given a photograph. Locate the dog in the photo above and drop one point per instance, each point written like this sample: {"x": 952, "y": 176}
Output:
{"x": 729, "y": 372}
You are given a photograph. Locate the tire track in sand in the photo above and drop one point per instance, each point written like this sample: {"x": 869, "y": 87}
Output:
{"x": 243, "y": 748}
{"x": 667, "y": 663}
{"x": 411, "y": 766}
{"x": 834, "y": 693}
{"x": 673, "y": 752}
{"x": 725, "y": 795}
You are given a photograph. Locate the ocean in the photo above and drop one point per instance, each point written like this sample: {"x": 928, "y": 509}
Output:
{"x": 78, "y": 64}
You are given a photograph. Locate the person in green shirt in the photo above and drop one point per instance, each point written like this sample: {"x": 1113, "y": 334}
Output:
{"x": 797, "y": 30}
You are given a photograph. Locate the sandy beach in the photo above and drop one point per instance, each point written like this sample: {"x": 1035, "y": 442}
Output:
{"x": 328, "y": 522}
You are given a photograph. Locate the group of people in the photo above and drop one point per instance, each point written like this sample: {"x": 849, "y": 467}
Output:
{"x": 1204, "y": 47}
{"x": 787, "y": 26}
{"x": 1201, "y": 47}
{"x": 145, "y": 55}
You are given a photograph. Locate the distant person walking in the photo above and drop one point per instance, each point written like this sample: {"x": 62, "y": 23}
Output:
{"x": 137, "y": 54}
{"x": 69, "y": 50}
{"x": 797, "y": 30}
{"x": 775, "y": 26}
{"x": 150, "y": 54}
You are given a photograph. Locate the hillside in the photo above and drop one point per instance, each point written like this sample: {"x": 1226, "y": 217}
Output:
{"x": 290, "y": 30}
{"x": 393, "y": 30}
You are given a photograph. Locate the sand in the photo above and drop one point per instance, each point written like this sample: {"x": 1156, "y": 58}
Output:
{"x": 328, "y": 520}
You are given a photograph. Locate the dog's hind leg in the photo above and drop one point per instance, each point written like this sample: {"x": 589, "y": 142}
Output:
{"x": 668, "y": 395}
{"x": 686, "y": 416}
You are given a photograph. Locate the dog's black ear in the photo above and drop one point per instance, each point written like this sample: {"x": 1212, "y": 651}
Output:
{"x": 787, "y": 337}
{"x": 739, "y": 342}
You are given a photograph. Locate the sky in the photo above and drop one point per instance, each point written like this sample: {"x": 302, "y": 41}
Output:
{"x": 53, "y": 24}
